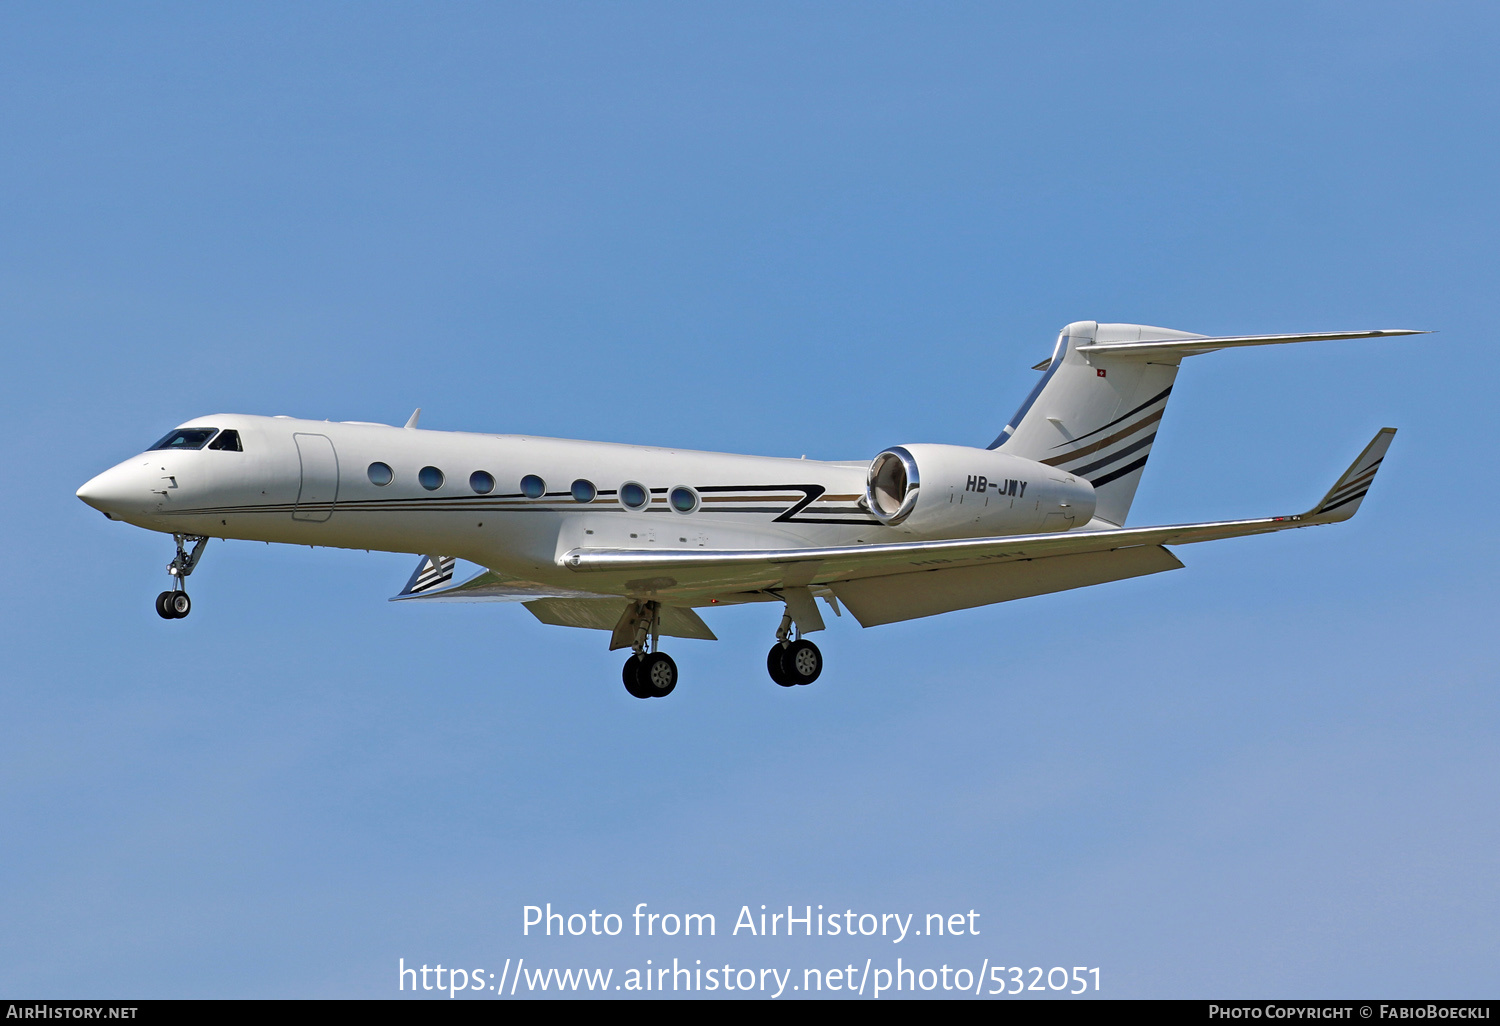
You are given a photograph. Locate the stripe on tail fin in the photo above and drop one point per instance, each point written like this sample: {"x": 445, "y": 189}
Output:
{"x": 1120, "y": 451}
{"x": 1095, "y": 414}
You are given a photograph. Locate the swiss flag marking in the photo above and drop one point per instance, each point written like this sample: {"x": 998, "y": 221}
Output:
{"x": 1100, "y": 372}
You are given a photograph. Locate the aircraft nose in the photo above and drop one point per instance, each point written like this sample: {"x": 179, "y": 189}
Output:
{"x": 117, "y": 491}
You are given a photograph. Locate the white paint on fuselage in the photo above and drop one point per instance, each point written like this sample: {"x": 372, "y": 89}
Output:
{"x": 253, "y": 495}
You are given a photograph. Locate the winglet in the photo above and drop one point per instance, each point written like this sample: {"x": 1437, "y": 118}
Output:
{"x": 1343, "y": 499}
{"x": 412, "y": 423}
{"x": 431, "y": 573}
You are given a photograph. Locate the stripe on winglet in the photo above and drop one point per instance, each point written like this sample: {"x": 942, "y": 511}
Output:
{"x": 1344, "y": 497}
{"x": 430, "y": 573}
{"x": 1330, "y": 507}
{"x": 1360, "y": 482}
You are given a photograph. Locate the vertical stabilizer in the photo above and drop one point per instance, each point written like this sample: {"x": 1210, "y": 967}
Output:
{"x": 1096, "y": 414}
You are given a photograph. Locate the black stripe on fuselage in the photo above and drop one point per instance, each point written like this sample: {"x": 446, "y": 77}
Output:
{"x": 516, "y": 503}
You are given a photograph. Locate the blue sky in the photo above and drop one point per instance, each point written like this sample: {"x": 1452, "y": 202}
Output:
{"x": 779, "y": 229}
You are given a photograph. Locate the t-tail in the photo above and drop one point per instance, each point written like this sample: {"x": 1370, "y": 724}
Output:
{"x": 1100, "y": 402}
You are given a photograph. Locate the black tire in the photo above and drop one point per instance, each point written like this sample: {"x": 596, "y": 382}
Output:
{"x": 179, "y": 604}
{"x": 161, "y": 606}
{"x": 657, "y": 675}
{"x": 801, "y": 663}
{"x": 773, "y": 666}
{"x": 630, "y": 674}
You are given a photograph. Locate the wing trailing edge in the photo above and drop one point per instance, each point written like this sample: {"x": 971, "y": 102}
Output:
{"x": 895, "y": 597}
{"x": 604, "y": 614}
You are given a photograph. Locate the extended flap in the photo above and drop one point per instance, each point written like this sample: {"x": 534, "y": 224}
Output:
{"x": 877, "y": 600}
{"x": 603, "y": 613}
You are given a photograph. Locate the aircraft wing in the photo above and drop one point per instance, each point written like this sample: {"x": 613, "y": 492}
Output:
{"x": 1082, "y": 556}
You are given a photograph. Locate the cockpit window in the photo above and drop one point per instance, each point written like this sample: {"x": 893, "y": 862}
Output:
{"x": 228, "y": 440}
{"x": 185, "y": 438}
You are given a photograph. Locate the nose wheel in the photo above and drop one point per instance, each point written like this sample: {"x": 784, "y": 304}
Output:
{"x": 175, "y": 604}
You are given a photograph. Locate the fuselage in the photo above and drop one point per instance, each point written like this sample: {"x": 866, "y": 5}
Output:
{"x": 515, "y": 503}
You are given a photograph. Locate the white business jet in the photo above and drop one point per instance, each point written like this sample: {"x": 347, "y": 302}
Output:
{"x": 634, "y": 540}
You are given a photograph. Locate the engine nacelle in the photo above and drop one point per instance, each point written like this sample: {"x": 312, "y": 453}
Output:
{"x": 959, "y": 491}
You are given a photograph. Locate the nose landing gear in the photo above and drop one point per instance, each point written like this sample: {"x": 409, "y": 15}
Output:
{"x": 175, "y": 604}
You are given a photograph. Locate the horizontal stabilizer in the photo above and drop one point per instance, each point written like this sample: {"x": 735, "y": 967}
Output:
{"x": 1207, "y": 344}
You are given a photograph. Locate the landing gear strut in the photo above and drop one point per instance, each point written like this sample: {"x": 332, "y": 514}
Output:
{"x": 647, "y": 673}
{"x": 793, "y": 660}
{"x": 175, "y": 604}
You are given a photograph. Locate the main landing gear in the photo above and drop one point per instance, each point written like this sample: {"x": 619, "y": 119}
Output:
{"x": 175, "y": 604}
{"x": 793, "y": 661}
{"x": 648, "y": 673}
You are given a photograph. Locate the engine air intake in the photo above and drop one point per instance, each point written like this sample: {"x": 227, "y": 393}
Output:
{"x": 892, "y": 484}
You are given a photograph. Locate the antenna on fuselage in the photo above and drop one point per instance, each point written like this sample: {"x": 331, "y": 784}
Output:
{"x": 411, "y": 424}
